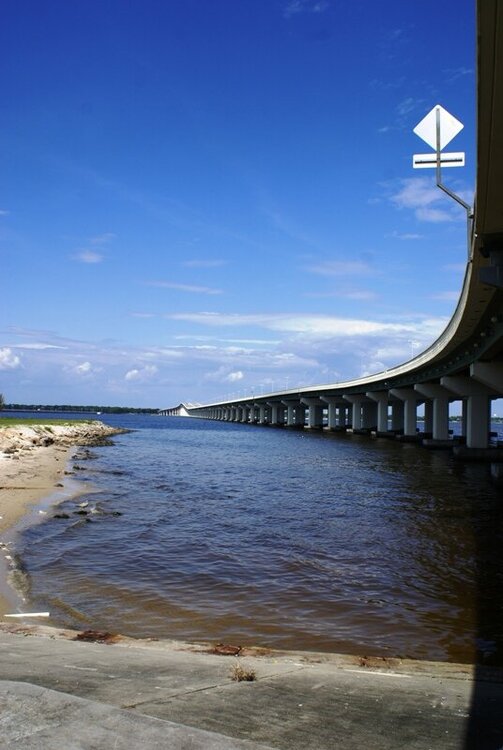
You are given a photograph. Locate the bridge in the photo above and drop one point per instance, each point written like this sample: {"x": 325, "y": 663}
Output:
{"x": 466, "y": 362}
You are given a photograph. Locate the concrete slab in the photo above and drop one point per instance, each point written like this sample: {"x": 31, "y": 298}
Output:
{"x": 299, "y": 701}
{"x": 35, "y": 718}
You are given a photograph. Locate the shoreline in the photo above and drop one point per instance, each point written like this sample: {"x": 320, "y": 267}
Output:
{"x": 34, "y": 467}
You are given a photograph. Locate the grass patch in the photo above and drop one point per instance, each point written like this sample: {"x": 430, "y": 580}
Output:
{"x": 45, "y": 421}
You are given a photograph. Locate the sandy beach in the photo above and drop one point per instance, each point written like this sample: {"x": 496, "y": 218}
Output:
{"x": 33, "y": 461}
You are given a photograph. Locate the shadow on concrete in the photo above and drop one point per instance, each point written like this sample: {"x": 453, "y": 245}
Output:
{"x": 485, "y": 724}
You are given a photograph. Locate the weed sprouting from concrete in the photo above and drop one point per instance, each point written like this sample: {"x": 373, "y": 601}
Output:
{"x": 241, "y": 674}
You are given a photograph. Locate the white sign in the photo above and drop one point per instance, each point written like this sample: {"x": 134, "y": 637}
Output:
{"x": 429, "y": 161}
{"x": 449, "y": 127}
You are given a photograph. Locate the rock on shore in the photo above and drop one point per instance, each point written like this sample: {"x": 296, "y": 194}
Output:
{"x": 21, "y": 438}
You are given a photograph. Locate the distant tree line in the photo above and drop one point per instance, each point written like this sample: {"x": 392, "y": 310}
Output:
{"x": 70, "y": 407}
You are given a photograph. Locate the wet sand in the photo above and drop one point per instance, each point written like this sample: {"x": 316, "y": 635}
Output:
{"x": 33, "y": 461}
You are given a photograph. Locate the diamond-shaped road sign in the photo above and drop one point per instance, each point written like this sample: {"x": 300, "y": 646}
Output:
{"x": 427, "y": 128}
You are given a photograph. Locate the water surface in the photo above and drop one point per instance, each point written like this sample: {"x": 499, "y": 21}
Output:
{"x": 251, "y": 535}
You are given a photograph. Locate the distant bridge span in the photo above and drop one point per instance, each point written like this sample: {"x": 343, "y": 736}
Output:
{"x": 466, "y": 361}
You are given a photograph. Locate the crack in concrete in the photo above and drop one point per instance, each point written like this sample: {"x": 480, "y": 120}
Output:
{"x": 171, "y": 697}
{"x": 183, "y": 693}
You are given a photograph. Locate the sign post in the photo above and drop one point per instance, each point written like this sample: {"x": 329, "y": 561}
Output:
{"x": 437, "y": 129}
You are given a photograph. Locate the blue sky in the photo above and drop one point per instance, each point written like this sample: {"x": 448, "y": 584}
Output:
{"x": 205, "y": 198}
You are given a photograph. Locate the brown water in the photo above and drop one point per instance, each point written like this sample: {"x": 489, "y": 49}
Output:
{"x": 264, "y": 536}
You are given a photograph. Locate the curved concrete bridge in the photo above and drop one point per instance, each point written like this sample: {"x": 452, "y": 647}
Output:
{"x": 466, "y": 361}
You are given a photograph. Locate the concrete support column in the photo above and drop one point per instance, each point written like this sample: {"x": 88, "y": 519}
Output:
{"x": 277, "y": 412}
{"x": 382, "y": 400}
{"x": 244, "y": 413}
{"x": 253, "y": 414}
{"x": 464, "y": 417}
{"x": 345, "y": 415}
{"x": 315, "y": 413}
{"x": 332, "y": 403}
{"x": 428, "y": 417}
{"x": 478, "y": 410}
{"x": 397, "y": 415}
{"x": 300, "y": 415}
{"x": 478, "y": 415}
{"x": 331, "y": 416}
{"x": 262, "y": 414}
{"x": 290, "y": 413}
{"x": 356, "y": 401}
{"x": 410, "y": 399}
{"x": 369, "y": 415}
{"x": 440, "y": 397}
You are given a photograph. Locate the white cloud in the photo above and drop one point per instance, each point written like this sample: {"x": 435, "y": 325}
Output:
{"x": 395, "y": 352}
{"x": 452, "y": 74}
{"x": 447, "y": 296}
{"x": 84, "y": 368}
{"x": 4, "y": 212}
{"x": 258, "y": 342}
{"x": 305, "y": 6}
{"x": 341, "y": 268}
{"x": 407, "y": 105}
{"x": 9, "y": 360}
{"x": 37, "y": 345}
{"x": 305, "y": 349}
{"x": 102, "y": 239}
{"x": 317, "y": 325}
{"x": 356, "y": 294}
{"x": 233, "y": 377}
{"x": 140, "y": 375}
{"x": 416, "y": 192}
{"x": 184, "y": 287}
{"x": 420, "y": 194}
{"x": 88, "y": 256}
{"x": 405, "y": 235}
{"x": 169, "y": 353}
{"x": 433, "y": 215}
